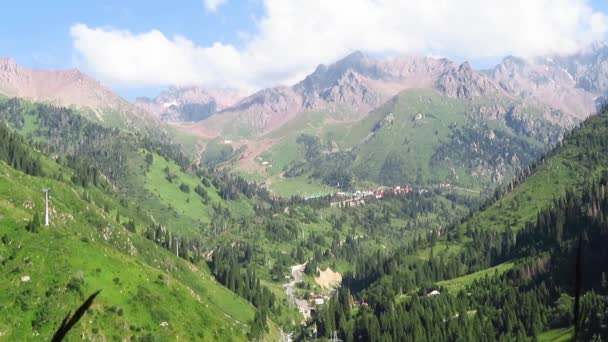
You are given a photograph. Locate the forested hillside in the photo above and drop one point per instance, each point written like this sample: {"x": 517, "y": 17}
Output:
{"x": 502, "y": 272}
{"x": 92, "y": 244}
{"x": 528, "y": 254}
{"x": 246, "y": 237}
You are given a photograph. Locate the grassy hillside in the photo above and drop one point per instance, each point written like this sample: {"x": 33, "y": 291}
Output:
{"x": 146, "y": 173}
{"x": 406, "y": 131}
{"x": 85, "y": 249}
{"x": 419, "y": 137}
{"x": 110, "y": 190}
{"x": 567, "y": 167}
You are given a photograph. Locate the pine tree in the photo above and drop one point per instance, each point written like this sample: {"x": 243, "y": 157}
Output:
{"x": 34, "y": 224}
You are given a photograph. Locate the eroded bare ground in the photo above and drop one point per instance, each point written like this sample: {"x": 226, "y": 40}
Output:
{"x": 328, "y": 278}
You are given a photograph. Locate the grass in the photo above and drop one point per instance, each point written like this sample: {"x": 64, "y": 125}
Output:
{"x": 565, "y": 169}
{"x": 183, "y": 211}
{"x": 457, "y": 284}
{"x": 300, "y": 186}
{"x": 408, "y": 135}
{"x": 423, "y": 121}
{"x": 189, "y": 142}
{"x": 281, "y": 155}
{"x": 441, "y": 248}
{"x": 521, "y": 206}
{"x": 556, "y": 335}
{"x": 85, "y": 250}
{"x": 414, "y": 140}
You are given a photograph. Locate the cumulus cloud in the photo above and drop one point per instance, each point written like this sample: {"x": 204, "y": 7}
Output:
{"x": 212, "y": 5}
{"x": 293, "y": 37}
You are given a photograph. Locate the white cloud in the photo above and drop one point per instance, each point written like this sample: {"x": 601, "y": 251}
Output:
{"x": 213, "y": 5}
{"x": 294, "y": 36}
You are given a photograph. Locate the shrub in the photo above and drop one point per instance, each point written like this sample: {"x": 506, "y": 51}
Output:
{"x": 184, "y": 188}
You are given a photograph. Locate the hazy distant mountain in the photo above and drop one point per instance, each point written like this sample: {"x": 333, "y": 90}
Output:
{"x": 71, "y": 88}
{"x": 546, "y": 82}
{"x": 189, "y": 103}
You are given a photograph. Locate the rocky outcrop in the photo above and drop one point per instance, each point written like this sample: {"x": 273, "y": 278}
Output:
{"x": 465, "y": 83}
{"x": 267, "y": 108}
{"x": 566, "y": 88}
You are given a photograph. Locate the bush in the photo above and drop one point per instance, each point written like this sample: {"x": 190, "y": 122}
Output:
{"x": 41, "y": 317}
{"x": 75, "y": 285}
{"x": 184, "y": 188}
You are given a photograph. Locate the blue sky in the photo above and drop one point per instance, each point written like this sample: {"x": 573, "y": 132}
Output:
{"x": 36, "y": 33}
{"x": 263, "y": 42}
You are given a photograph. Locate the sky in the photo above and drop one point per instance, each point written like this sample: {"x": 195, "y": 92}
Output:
{"x": 140, "y": 47}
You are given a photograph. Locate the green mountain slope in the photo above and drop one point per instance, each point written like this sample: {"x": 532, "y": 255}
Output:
{"x": 506, "y": 272}
{"x": 419, "y": 137}
{"x": 45, "y": 274}
{"x": 149, "y": 204}
{"x": 145, "y": 172}
{"x": 579, "y": 158}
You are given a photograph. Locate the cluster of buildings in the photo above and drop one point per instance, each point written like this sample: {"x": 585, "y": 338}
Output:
{"x": 353, "y": 202}
{"x": 318, "y": 299}
{"x": 358, "y": 197}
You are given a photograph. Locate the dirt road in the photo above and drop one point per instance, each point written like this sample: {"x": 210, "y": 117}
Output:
{"x": 301, "y": 304}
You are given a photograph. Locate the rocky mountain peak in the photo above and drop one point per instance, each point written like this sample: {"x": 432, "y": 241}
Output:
{"x": 465, "y": 68}
{"x": 465, "y": 83}
{"x": 327, "y": 76}
{"x": 588, "y": 67}
{"x": 267, "y": 108}
{"x": 7, "y": 64}
{"x": 358, "y": 83}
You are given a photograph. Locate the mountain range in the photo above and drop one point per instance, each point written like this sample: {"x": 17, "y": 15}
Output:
{"x": 574, "y": 84}
{"x": 343, "y": 104}
{"x": 210, "y": 264}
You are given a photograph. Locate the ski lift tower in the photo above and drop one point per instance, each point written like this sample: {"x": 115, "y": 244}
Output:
{"x": 46, "y": 206}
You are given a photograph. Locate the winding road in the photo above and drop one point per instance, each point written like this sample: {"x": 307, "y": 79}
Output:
{"x": 301, "y": 304}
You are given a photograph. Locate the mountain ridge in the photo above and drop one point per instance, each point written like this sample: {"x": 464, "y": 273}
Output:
{"x": 359, "y": 83}
{"x": 71, "y": 87}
